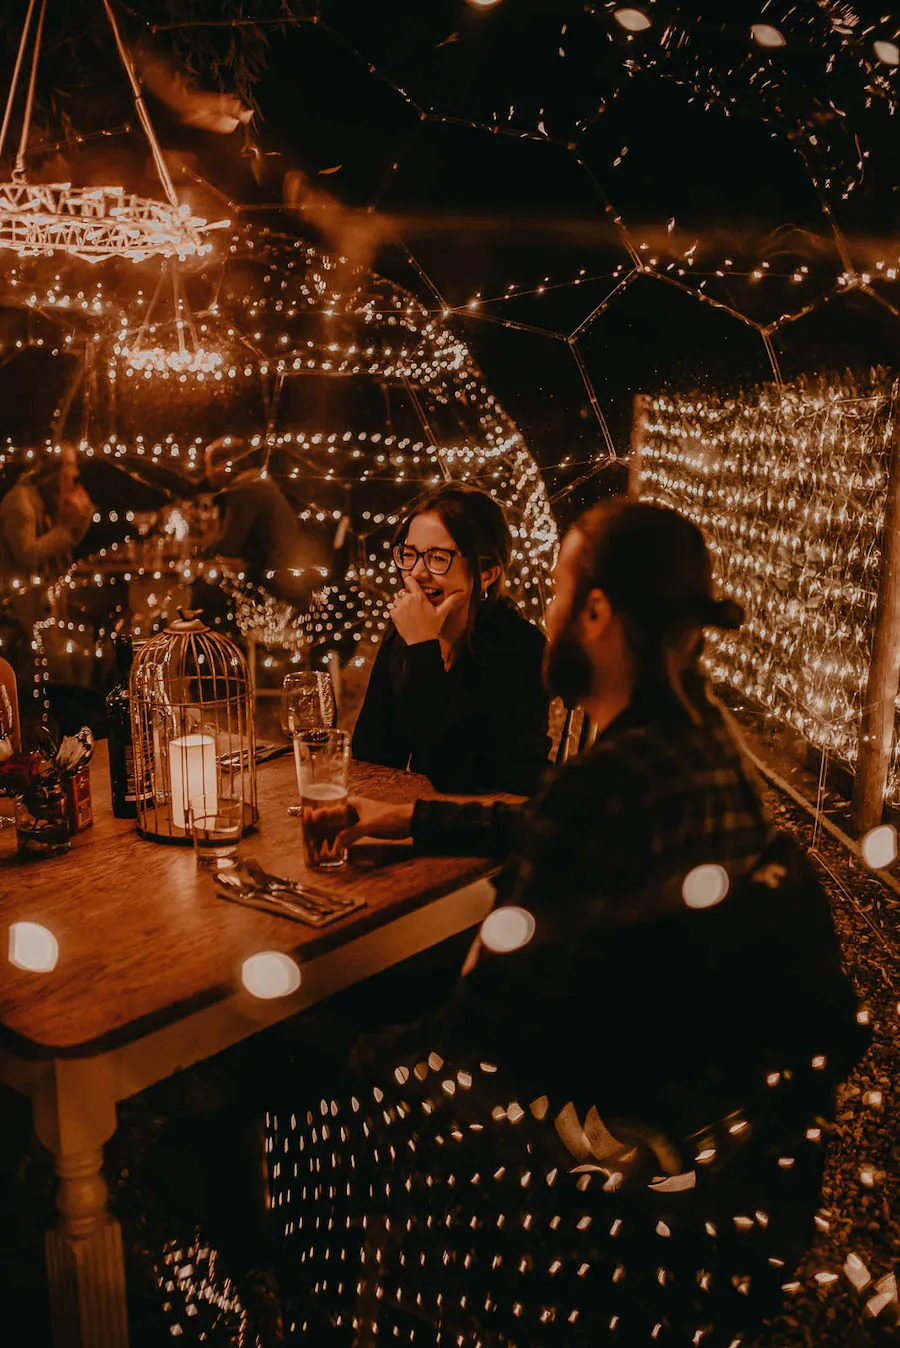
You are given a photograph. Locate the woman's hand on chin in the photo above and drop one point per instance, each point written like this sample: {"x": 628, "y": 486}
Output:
{"x": 374, "y": 819}
{"x": 416, "y": 618}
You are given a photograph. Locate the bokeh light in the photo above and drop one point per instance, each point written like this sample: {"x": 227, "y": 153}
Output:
{"x": 632, "y": 20}
{"x": 765, "y": 35}
{"x": 705, "y": 886}
{"x": 33, "y": 947}
{"x": 506, "y": 929}
{"x": 879, "y": 847}
{"x": 270, "y": 974}
{"x": 888, "y": 52}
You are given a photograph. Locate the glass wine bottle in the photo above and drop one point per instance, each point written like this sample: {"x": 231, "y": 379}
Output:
{"x": 121, "y": 753}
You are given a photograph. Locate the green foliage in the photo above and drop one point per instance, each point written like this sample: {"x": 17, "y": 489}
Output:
{"x": 221, "y": 44}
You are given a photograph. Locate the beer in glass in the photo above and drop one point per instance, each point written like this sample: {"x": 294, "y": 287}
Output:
{"x": 323, "y": 762}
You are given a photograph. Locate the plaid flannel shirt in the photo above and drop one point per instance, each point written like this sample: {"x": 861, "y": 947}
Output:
{"x": 624, "y": 997}
{"x": 622, "y": 824}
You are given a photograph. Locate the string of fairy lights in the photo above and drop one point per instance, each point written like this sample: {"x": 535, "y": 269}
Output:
{"x": 730, "y": 61}
{"x": 192, "y": 1286}
{"x": 717, "y": 59}
{"x": 346, "y": 1156}
{"x": 217, "y": 336}
{"x": 788, "y": 485}
{"x": 244, "y": 338}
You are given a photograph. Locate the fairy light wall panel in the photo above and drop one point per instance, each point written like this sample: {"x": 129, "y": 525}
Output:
{"x": 788, "y": 485}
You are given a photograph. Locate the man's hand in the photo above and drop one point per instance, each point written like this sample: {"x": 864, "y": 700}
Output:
{"x": 374, "y": 819}
{"x": 416, "y": 619}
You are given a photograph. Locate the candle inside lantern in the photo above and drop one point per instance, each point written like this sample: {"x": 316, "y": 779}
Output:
{"x": 192, "y": 772}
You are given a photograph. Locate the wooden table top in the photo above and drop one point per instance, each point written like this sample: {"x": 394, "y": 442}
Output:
{"x": 145, "y": 940}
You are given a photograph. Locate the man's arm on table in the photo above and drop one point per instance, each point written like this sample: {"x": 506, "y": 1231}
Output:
{"x": 585, "y": 832}
{"x": 440, "y": 827}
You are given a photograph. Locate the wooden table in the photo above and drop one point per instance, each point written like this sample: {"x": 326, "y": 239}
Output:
{"x": 148, "y": 983}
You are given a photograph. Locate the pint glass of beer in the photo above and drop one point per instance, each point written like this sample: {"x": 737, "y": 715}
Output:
{"x": 323, "y": 762}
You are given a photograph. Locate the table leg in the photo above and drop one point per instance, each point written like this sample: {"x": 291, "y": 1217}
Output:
{"x": 74, "y": 1114}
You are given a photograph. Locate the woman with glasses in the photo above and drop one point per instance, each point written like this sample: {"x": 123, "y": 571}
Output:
{"x": 455, "y": 691}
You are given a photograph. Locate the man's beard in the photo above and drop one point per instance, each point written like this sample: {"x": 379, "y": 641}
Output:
{"x": 568, "y": 672}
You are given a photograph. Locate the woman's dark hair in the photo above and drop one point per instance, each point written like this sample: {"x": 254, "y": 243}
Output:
{"x": 478, "y": 527}
{"x": 653, "y": 566}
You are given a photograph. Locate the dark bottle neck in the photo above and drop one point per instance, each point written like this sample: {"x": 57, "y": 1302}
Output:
{"x": 124, "y": 658}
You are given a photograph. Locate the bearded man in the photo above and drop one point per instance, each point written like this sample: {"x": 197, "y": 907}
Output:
{"x": 636, "y": 1066}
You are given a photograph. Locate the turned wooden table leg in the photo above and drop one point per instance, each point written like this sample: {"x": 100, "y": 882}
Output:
{"x": 74, "y": 1114}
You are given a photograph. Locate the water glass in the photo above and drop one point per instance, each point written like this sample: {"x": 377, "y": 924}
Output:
{"x": 323, "y": 765}
{"x": 307, "y": 703}
{"x": 217, "y": 823}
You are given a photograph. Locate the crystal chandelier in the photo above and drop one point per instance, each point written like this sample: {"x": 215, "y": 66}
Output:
{"x": 92, "y": 223}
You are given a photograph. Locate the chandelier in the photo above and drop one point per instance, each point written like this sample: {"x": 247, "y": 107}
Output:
{"x": 145, "y": 352}
{"x": 91, "y": 223}
{"x": 94, "y": 223}
{"x": 162, "y": 360}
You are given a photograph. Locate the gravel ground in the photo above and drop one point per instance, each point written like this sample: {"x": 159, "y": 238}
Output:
{"x": 860, "y": 1217}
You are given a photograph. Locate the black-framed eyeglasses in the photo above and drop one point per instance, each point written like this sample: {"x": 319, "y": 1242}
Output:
{"x": 438, "y": 561}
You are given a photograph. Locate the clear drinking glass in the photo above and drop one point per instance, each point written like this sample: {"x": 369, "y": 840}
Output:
{"x": 307, "y": 703}
{"x": 323, "y": 764}
{"x": 217, "y": 823}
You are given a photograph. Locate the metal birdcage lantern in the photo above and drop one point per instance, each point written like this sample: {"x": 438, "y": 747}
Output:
{"x": 192, "y": 727}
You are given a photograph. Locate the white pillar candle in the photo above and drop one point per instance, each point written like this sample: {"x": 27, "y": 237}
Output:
{"x": 192, "y": 772}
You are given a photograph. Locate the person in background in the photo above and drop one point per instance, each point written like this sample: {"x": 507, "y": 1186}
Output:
{"x": 43, "y": 518}
{"x": 259, "y": 526}
{"x": 455, "y": 692}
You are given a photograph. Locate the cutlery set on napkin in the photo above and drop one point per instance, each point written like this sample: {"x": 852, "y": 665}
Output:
{"x": 252, "y": 887}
